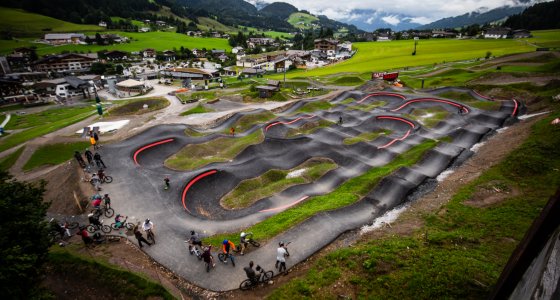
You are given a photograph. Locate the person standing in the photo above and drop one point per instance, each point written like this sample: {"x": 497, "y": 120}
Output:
{"x": 107, "y": 200}
{"x": 232, "y": 131}
{"x": 98, "y": 160}
{"x": 140, "y": 237}
{"x": 96, "y": 137}
{"x": 79, "y": 159}
{"x": 166, "y": 181}
{"x": 89, "y": 156}
{"x": 281, "y": 254}
{"x": 93, "y": 142}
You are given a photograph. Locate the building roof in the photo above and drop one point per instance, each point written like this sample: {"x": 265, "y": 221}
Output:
{"x": 192, "y": 70}
{"x": 63, "y": 36}
{"x": 46, "y": 59}
{"x": 252, "y": 71}
{"x": 330, "y": 41}
{"x": 266, "y": 87}
{"x": 130, "y": 83}
{"x": 75, "y": 82}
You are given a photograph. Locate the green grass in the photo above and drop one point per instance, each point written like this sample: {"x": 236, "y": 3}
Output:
{"x": 550, "y": 67}
{"x": 213, "y": 25}
{"x": 136, "y": 106}
{"x": 9, "y": 160}
{"x": 208, "y": 96}
{"x": 460, "y": 251}
{"x": 367, "y": 107}
{"x": 308, "y": 128}
{"x": 18, "y": 121}
{"x": 314, "y": 106}
{"x": 53, "y": 154}
{"x": 274, "y": 181}
{"x": 347, "y": 81}
{"x": 219, "y": 150}
{"x": 26, "y": 24}
{"x": 454, "y": 77}
{"x": 374, "y": 56}
{"x": 199, "y": 109}
{"x": 250, "y": 120}
{"x": 49, "y": 125}
{"x": 302, "y": 17}
{"x": 134, "y": 22}
{"x": 366, "y": 137}
{"x": 9, "y": 108}
{"x": 428, "y": 117}
{"x": 545, "y": 38}
{"x": 119, "y": 282}
{"x": 347, "y": 193}
{"x": 468, "y": 99}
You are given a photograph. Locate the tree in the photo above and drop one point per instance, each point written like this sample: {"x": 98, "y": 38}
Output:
{"x": 23, "y": 236}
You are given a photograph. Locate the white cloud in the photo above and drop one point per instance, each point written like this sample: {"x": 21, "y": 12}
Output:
{"x": 393, "y": 20}
{"x": 420, "y": 20}
{"x": 427, "y": 9}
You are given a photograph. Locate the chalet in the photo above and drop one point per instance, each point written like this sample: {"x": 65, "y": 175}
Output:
{"x": 217, "y": 52}
{"x": 521, "y": 34}
{"x": 223, "y": 57}
{"x": 161, "y": 23}
{"x": 443, "y": 34}
{"x": 102, "y": 24}
{"x": 326, "y": 45}
{"x": 237, "y": 49}
{"x": 346, "y": 46}
{"x": 229, "y": 71}
{"x": 270, "y": 61}
{"x": 191, "y": 73}
{"x": 66, "y": 88}
{"x": 497, "y": 33}
{"x": 144, "y": 29}
{"x": 116, "y": 55}
{"x": 216, "y": 34}
{"x": 266, "y": 91}
{"x": 168, "y": 55}
{"x": 149, "y": 53}
{"x": 130, "y": 88}
{"x": 194, "y": 33}
{"x": 70, "y": 62}
{"x": 199, "y": 53}
{"x": 250, "y": 72}
{"x": 384, "y": 37}
{"x": 64, "y": 38}
{"x": 226, "y": 36}
{"x": 254, "y": 42}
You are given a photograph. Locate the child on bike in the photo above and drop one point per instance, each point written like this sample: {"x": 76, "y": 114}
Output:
{"x": 243, "y": 242}
{"x": 118, "y": 221}
{"x": 194, "y": 240}
{"x": 207, "y": 256}
{"x": 227, "y": 247}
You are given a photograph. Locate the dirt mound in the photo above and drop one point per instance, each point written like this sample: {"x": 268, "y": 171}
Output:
{"x": 63, "y": 185}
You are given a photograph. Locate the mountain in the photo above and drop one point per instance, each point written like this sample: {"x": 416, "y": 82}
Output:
{"x": 475, "y": 17}
{"x": 540, "y": 16}
{"x": 278, "y": 10}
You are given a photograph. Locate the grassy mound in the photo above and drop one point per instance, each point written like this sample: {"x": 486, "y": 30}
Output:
{"x": 310, "y": 107}
{"x": 8, "y": 161}
{"x": 221, "y": 149}
{"x": 366, "y": 137}
{"x": 428, "y": 117}
{"x": 274, "y": 181}
{"x": 53, "y": 154}
{"x": 136, "y": 106}
{"x": 308, "y": 128}
{"x": 347, "y": 80}
{"x": 199, "y": 109}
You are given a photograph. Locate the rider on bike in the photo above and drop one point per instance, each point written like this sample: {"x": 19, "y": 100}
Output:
{"x": 207, "y": 256}
{"x": 227, "y": 247}
{"x": 251, "y": 273}
{"x": 101, "y": 174}
{"x": 107, "y": 200}
{"x": 118, "y": 221}
{"x": 194, "y": 240}
{"x": 243, "y": 242}
{"x": 94, "y": 220}
{"x": 148, "y": 227}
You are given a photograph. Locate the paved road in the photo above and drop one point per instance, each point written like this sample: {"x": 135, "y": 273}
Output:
{"x": 138, "y": 189}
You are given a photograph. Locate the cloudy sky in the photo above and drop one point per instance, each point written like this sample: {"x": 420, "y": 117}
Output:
{"x": 419, "y": 11}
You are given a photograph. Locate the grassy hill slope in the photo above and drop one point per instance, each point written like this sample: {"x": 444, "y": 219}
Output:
{"x": 295, "y": 18}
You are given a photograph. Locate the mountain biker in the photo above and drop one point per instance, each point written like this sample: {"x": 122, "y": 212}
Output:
{"x": 94, "y": 220}
{"x": 251, "y": 273}
{"x": 107, "y": 200}
{"x": 96, "y": 201}
{"x": 89, "y": 156}
{"x": 166, "y": 181}
{"x": 95, "y": 181}
{"x": 281, "y": 254}
{"x": 194, "y": 240}
{"x": 101, "y": 174}
{"x": 207, "y": 256}
{"x": 148, "y": 227}
{"x": 243, "y": 242}
{"x": 118, "y": 222}
{"x": 227, "y": 247}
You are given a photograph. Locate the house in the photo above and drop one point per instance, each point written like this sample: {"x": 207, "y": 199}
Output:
{"x": 326, "y": 44}
{"x": 443, "y": 34}
{"x": 250, "y": 72}
{"x": 130, "y": 88}
{"x": 191, "y": 73}
{"x": 254, "y": 42}
{"x": 497, "y": 33}
{"x": 223, "y": 57}
{"x": 199, "y": 53}
{"x": 168, "y": 55}
{"x": 160, "y": 23}
{"x": 116, "y": 55}
{"x": 102, "y": 24}
{"x": 229, "y": 71}
{"x": 346, "y": 46}
{"x": 267, "y": 91}
{"x": 521, "y": 34}
{"x": 69, "y": 62}
{"x": 64, "y": 38}
{"x": 383, "y": 37}
{"x": 149, "y": 53}
{"x": 69, "y": 87}
{"x": 216, "y": 34}
{"x": 144, "y": 29}
{"x": 236, "y": 50}
{"x": 217, "y": 52}
{"x": 194, "y": 33}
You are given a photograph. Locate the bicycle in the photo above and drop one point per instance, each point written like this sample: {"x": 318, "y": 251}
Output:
{"x": 124, "y": 224}
{"x": 224, "y": 256}
{"x": 194, "y": 250}
{"x": 249, "y": 240}
{"x": 105, "y": 178}
{"x": 150, "y": 236}
{"x": 103, "y": 210}
{"x": 262, "y": 277}
{"x": 93, "y": 228}
{"x": 60, "y": 231}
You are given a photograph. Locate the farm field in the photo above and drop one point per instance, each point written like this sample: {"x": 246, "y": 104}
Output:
{"x": 375, "y": 56}
{"x": 22, "y": 23}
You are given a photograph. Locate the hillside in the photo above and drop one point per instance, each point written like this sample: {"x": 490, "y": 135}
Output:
{"x": 540, "y": 16}
{"x": 474, "y": 18}
{"x": 279, "y": 10}
{"x": 21, "y": 23}
{"x": 302, "y": 20}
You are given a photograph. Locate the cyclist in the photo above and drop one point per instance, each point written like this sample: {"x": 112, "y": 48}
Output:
{"x": 118, "y": 221}
{"x": 107, "y": 200}
{"x": 148, "y": 227}
{"x": 281, "y": 254}
{"x": 243, "y": 242}
{"x": 166, "y": 181}
{"x": 94, "y": 220}
{"x": 251, "y": 273}
{"x": 207, "y": 256}
{"x": 227, "y": 247}
{"x": 194, "y": 240}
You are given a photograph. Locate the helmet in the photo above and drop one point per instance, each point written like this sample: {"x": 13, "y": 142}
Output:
{"x": 117, "y": 216}
{"x": 147, "y": 221}
{"x": 225, "y": 242}
{"x": 281, "y": 244}
{"x": 90, "y": 215}
{"x": 192, "y": 232}
{"x": 106, "y": 195}
{"x": 243, "y": 234}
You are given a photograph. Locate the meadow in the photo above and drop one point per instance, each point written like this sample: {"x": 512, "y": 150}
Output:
{"x": 22, "y": 23}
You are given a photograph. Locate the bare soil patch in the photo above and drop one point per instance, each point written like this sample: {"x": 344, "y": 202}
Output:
{"x": 492, "y": 193}
{"x": 508, "y": 78}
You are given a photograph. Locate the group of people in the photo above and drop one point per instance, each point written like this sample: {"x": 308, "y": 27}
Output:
{"x": 148, "y": 228}
{"x": 91, "y": 159}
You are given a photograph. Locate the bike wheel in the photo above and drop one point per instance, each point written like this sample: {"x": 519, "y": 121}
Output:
{"x": 222, "y": 257}
{"x": 90, "y": 228}
{"x": 255, "y": 243}
{"x": 108, "y": 179}
{"x": 114, "y": 226}
{"x": 245, "y": 285}
{"x": 73, "y": 225}
{"x": 109, "y": 212}
{"x": 129, "y": 226}
{"x": 106, "y": 228}
{"x": 267, "y": 276}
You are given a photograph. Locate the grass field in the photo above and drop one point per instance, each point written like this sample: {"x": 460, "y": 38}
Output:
{"x": 134, "y": 22}
{"x": 53, "y": 154}
{"x": 8, "y": 161}
{"x": 274, "y": 181}
{"x": 199, "y": 109}
{"x": 375, "y": 56}
{"x": 366, "y": 137}
{"x": 22, "y": 23}
{"x": 308, "y": 128}
{"x": 18, "y": 121}
{"x": 250, "y": 120}
{"x": 221, "y": 149}
{"x": 136, "y": 106}
{"x": 307, "y": 19}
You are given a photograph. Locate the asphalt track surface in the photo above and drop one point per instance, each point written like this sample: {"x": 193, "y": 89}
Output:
{"x": 192, "y": 202}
